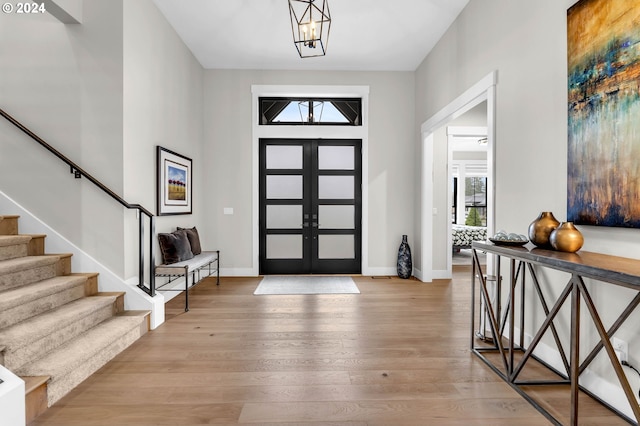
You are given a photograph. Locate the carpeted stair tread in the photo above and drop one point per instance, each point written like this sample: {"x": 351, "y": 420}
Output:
{"x": 14, "y": 246}
{"x": 44, "y": 324}
{"x": 34, "y": 337}
{"x": 27, "y": 262}
{"x": 82, "y": 348}
{"x": 9, "y": 240}
{"x": 20, "y": 303}
{"x": 29, "y": 269}
{"x": 77, "y": 359}
{"x": 37, "y": 290}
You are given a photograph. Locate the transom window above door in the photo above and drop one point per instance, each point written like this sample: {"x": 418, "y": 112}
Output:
{"x": 311, "y": 111}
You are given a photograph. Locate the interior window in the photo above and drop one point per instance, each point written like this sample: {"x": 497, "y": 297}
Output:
{"x": 311, "y": 111}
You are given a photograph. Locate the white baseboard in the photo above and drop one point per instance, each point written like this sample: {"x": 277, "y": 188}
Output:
{"x": 376, "y": 272}
{"x": 250, "y": 272}
{"x": 418, "y": 274}
{"x": 441, "y": 274}
{"x": 238, "y": 272}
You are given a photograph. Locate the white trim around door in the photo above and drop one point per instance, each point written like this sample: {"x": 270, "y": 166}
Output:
{"x": 310, "y": 132}
{"x": 483, "y": 90}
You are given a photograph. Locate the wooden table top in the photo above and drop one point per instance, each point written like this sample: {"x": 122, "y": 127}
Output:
{"x": 603, "y": 267}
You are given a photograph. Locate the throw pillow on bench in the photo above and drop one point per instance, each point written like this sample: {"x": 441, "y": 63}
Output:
{"x": 179, "y": 245}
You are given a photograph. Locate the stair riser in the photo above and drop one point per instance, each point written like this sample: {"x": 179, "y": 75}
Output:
{"x": 13, "y": 359}
{"x": 8, "y": 225}
{"x": 13, "y": 251}
{"x": 24, "y": 311}
{"x": 63, "y": 266}
{"x": 60, "y": 386}
{"x": 36, "y": 245}
{"x": 91, "y": 287}
{"x": 36, "y": 402}
{"x": 27, "y": 276}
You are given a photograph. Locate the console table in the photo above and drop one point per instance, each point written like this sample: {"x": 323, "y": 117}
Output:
{"x": 607, "y": 270}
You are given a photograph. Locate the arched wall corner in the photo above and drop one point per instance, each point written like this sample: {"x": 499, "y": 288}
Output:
{"x": 483, "y": 90}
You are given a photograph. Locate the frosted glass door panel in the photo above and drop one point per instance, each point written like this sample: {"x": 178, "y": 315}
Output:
{"x": 336, "y": 217}
{"x": 336, "y": 247}
{"x": 284, "y": 246}
{"x": 284, "y": 187}
{"x": 336, "y": 158}
{"x": 335, "y": 187}
{"x": 284, "y": 217}
{"x": 284, "y": 157}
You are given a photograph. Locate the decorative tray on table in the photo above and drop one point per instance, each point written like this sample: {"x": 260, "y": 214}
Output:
{"x": 508, "y": 242}
{"x": 504, "y": 238}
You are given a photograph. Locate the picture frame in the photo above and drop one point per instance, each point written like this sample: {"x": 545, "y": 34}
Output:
{"x": 174, "y": 183}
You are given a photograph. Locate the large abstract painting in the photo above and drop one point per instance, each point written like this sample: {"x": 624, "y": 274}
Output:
{"x": 604, "y": 113}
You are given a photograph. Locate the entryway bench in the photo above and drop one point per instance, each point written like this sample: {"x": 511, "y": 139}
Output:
{"x": 206, "y": 261}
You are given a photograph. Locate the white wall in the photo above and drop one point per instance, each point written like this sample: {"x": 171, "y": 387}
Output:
{"x": 526, "y": 43}
{"x": 228, "y": 155}
{"x": 64, "y": 82}
{"x": 104, "y": 93}
{"x": 12, "y": 403}
{"x": 163, "y": 104}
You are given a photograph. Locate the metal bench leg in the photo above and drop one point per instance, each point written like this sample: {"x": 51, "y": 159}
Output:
{"x": 186, "y": 289}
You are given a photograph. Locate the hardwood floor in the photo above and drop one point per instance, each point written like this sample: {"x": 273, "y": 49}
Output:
{"x": 396, "y": 354}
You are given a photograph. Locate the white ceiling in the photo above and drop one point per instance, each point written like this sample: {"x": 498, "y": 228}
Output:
{"x": 375, "y": 35}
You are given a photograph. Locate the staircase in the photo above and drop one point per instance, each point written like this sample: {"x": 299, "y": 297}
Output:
{"x": 56, "y": 329}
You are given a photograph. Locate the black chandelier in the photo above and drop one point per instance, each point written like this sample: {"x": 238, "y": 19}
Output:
{"x": 310, "y": 26}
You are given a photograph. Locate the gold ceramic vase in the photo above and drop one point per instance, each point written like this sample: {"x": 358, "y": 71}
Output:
{"x": 541, "y": 228}
{"x": 566, "y": 237}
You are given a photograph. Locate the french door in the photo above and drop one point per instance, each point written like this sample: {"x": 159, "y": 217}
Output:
{"x": 310, "y": 206}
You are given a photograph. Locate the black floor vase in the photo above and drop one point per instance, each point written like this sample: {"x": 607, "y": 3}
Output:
{"x": 405, "y": 266}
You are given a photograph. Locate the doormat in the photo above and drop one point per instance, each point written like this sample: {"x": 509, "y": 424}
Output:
{"x": 296, "y": 284}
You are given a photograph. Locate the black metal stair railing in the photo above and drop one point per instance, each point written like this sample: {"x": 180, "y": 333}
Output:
{"x": 141, "y": 211}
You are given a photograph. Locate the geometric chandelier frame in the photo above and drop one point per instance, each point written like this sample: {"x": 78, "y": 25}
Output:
{"x": 310, "y": 26}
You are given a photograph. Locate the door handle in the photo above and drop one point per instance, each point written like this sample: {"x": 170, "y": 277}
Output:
{"x": 315, "y": 224}
{"x": 305, "y": 225}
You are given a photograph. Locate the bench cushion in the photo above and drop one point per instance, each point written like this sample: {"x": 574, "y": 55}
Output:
{"x": 194, "y": 263}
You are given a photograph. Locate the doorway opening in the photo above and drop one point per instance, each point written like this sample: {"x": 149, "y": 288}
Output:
{"x": 467, "y": 180}
{"x": 434, "y": 236}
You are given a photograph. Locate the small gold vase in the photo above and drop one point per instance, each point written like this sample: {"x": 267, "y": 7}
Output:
{"x": 566, "y": 237}
{"x": 540, "y": 229}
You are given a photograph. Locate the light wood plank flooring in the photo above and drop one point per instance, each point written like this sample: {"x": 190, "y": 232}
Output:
{"x": 396, "y": 354}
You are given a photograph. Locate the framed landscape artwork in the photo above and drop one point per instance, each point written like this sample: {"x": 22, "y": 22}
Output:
{"x": 603, "y": 174}
{"x": 174, "y": 187}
